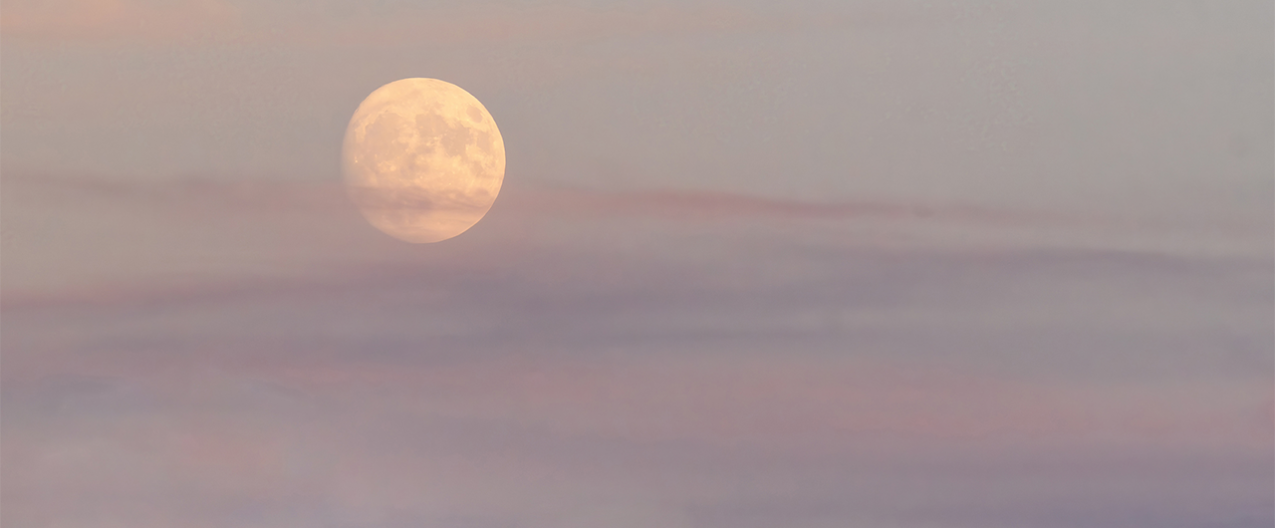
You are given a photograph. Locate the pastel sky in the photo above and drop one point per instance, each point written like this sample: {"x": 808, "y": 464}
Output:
{"x": 800, "y": 264}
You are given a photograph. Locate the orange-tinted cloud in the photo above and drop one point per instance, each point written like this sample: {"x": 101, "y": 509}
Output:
{"x": 95, "y": 20}
{"x": 502, "y": 23}
{"x": 355, "y": 25}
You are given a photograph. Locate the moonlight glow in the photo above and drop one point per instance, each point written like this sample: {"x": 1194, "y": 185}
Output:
{"x": 423, "y": 160}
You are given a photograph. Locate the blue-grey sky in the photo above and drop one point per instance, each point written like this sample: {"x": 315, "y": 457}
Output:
{"x": 878, "y": 264}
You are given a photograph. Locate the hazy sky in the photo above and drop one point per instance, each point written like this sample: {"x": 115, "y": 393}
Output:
{"x": 870, "y": 264}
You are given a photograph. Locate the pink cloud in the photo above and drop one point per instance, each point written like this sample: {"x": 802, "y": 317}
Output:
{"x": 91, "y": 20}
{"x": 310, "y": 219}
{"x": 823, "y": 404}
{"x": 682, "y": 204}
{"x": 701, "y": 205}
{"x": 307, "y": 25}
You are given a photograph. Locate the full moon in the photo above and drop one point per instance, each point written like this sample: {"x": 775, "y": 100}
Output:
{"x": 423, "y": 160}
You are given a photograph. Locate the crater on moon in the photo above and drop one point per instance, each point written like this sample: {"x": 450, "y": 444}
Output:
{"x": 423, "y": 160}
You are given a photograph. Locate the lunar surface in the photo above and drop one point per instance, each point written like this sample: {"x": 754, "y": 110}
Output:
{"x": 423, "y": 160}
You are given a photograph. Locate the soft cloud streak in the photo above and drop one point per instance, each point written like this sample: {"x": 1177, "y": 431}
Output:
{"x": 80, "y": 21}
{"x": 356, "y": 24}
{"x": 547, "y": 394}
{"x": 988, "y": 264}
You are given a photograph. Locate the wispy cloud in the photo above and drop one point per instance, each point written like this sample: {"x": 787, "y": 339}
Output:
{"x": 105, "y": 20}
{"x": 685, "y": 204}
{"x": 584, "y": 358}
{"x": 359, "y": 24}
{"x": 504, "y": 23}
{"x": 317, "y": 227}
{"x": 329, "y": 25}
{"x": 690, "y": 205}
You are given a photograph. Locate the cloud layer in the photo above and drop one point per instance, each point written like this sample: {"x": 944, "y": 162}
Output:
{"x": 872, "y": 264}
{"x": 665, "y": 359}
{"x": 107, "y": 20}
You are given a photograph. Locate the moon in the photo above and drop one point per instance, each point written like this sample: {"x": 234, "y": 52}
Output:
{"x": 422, "y": 160}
